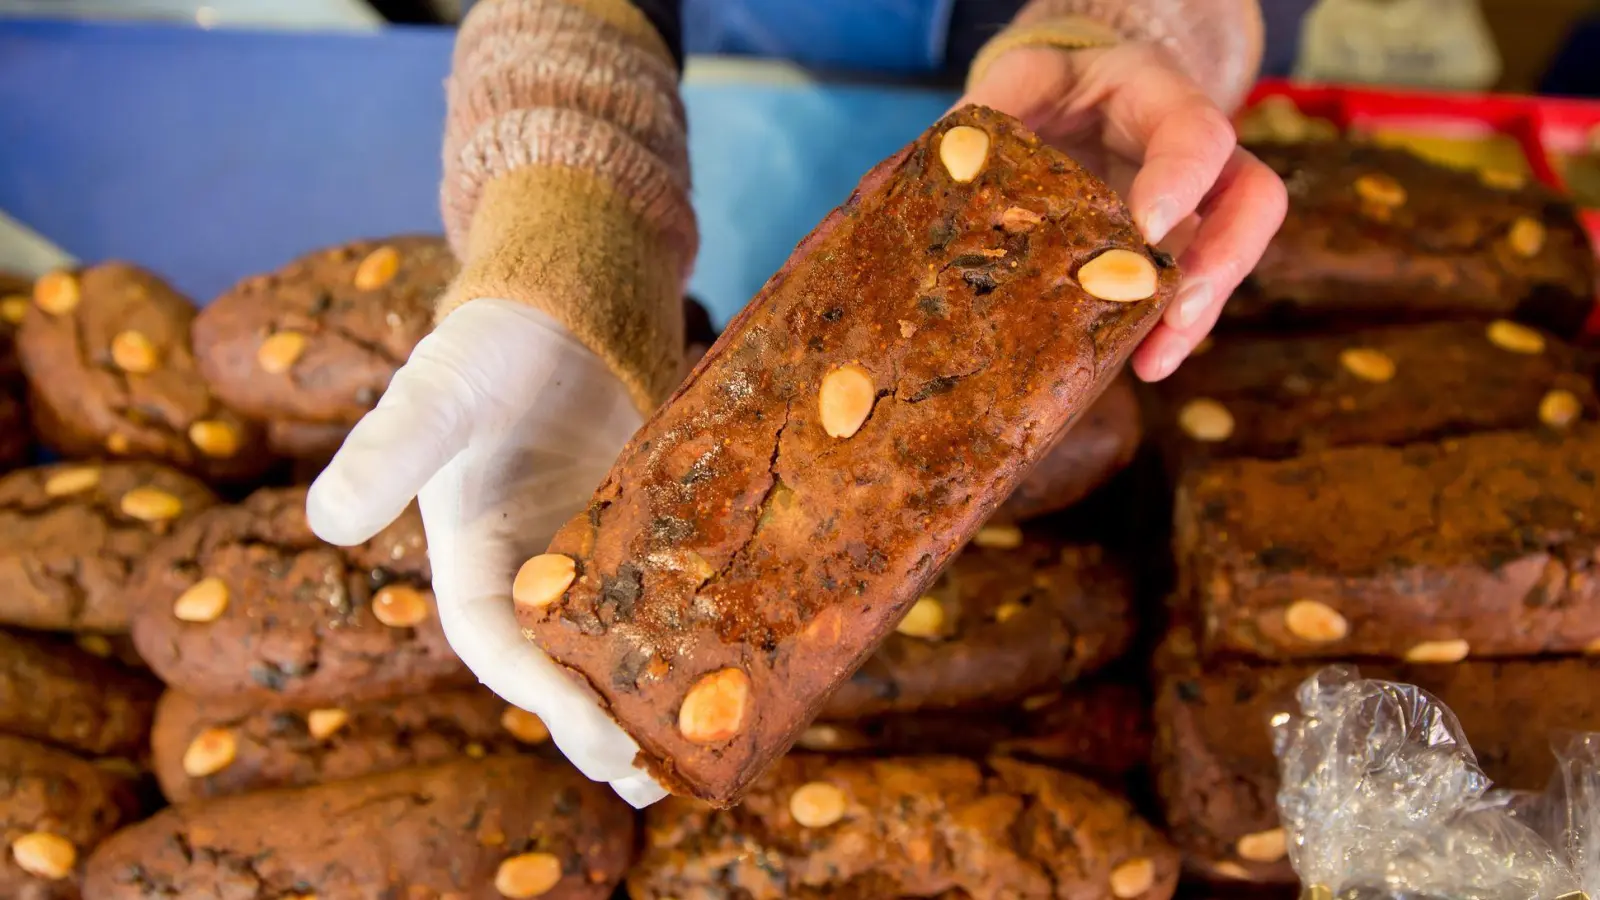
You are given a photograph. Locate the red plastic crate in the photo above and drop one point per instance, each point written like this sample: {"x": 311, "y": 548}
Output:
{"x": 1542, "y": 127}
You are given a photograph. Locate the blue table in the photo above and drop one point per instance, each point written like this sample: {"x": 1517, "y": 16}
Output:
{"x": 208, "y": 156}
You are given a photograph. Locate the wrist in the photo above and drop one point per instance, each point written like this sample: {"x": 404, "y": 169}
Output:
{"x": 569, "y": 245}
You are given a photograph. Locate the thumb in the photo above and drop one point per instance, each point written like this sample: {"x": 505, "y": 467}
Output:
{"x": 1027, "y": 83}
{"x": 426, "y": 417}
{"x": 418, "y": 426}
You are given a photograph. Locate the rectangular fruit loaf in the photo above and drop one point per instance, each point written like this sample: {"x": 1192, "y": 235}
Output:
{"x": 1375, "y": 234}
{"x": 56, "y": 693}
{"x": 54, "y": 809}
{"x": 821, "y": 829}
{"x": 1218, "y": 778}
{"x": 1100, "y": 729}
{"x": 1016, "y": 612}
{"x": 1483, "y": 545}
{"x": 851, "y": 429}
{"x": 244, "y": 601}
{"x": 213, "y": 747}
{"x": 1102, "y": 442}
{"x": 495, "y": 827}
{"x": 1275, "y": 396}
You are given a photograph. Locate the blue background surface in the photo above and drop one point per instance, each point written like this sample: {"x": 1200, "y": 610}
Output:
{"x": 208, "y": 156}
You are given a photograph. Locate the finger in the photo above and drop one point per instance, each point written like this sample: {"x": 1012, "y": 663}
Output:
{"x": 1183, "y": 157}
{"x": 1160, "y": 354}
{"x": 419, "y": 425}
{"x": 1036, "y": 86}
{"x": 639, "y": 791}
{"x": 1237, "y": 221}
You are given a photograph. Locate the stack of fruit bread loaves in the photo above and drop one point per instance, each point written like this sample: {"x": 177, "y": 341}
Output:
{"x": 1388, "y": 455}
{"x": 879, "y": 592}
{"x": 316, "y": 735}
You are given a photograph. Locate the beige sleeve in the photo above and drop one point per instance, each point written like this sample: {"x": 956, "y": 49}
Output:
{"x": 566, "y": 178}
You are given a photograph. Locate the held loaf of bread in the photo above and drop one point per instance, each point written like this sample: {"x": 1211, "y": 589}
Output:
{"x": 851, "y": 429}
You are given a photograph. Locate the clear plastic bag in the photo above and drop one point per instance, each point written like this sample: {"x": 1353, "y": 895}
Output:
{"x": 1382, "y": 797}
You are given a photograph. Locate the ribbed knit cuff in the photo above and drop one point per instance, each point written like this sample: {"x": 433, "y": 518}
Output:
{"x": 567, "y": 180}
{"x": 567, "y": 243}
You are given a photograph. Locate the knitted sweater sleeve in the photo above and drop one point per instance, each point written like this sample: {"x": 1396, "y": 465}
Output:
{"x": 566, "y": 177}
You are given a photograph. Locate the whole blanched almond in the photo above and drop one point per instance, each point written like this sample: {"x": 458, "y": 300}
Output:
{"x": 963, "y": 150}
{"x": 844, "y": 400}
{"x": 714, "y": 709}
{"x": 1121, "y": 276}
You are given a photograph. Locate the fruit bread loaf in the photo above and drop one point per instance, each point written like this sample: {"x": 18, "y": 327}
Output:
{"x": 106, "y": 352}
{"x": 54, "y": 809}
{"x": 15, "y": 436}
{"x": 318, "y": 340}
{"x": 1374, "y": 234}
{"x": 245, "y": 601}
{"x": 1016, "y": 612}
{"x": 1275, "y": 396}
{"x": 1482, "y": 545}
{"x": 929, "y": 826}
{"x": 71, "y": 536}
{"x": 208, "y": 748}
{"x": 497, "y": 827}
{"x": 1100, "y": 729}
{"x": 851, "y": 429}
{"x": 1101, "y": 443}
{"x": 54, "y": 692}
{"x": 16, "y": 295}
{"x": 1218, "y": 778}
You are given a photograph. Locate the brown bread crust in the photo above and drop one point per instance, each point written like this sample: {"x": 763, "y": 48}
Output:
{"x": 1218, "y": 778}
{"x": 355, "y": 338}
{"x": 309, "y": 442}
{"x": 52, "y": 691}
{"x": 735, "y": 535}
{"x": 1101, "y": 443}
{"x": 276, "y": 748}
{"x": 1442, "y": 253}
{"x": 1489, "y": 539}
{"x": 43, "y": 789}
{"x": 16, "y": 437}
{"x": 86, "y": 404}
{"x": 1100, "y": 729}
{"x": 66, "y": 561}
{"x": 437, "y": 832}
{"x": 912, "y": 827}
{"x": 299, "y": 626}
{"x": 1016, "y": 620}
{"x": 1294, "y": 395}
{"x": 17, "y": 292}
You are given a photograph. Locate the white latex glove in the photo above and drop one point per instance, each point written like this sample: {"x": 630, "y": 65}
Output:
{"x": 501, "y": 425}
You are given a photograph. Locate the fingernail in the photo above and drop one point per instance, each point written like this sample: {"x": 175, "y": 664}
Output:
{"x": 1193, "y": 298}
{"x": 1159, "y": 218}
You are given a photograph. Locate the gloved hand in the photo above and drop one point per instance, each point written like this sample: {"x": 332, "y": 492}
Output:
{"x": 1130, "y": 115}
{"x": 501, "y": 425}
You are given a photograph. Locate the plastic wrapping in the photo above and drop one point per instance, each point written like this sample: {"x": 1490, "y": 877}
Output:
{"x": 1382, "y": 797}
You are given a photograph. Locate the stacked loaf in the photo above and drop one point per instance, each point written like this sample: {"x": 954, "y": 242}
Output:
{"x": 316, "y": 737}
{"x": 1390, "y": 456}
